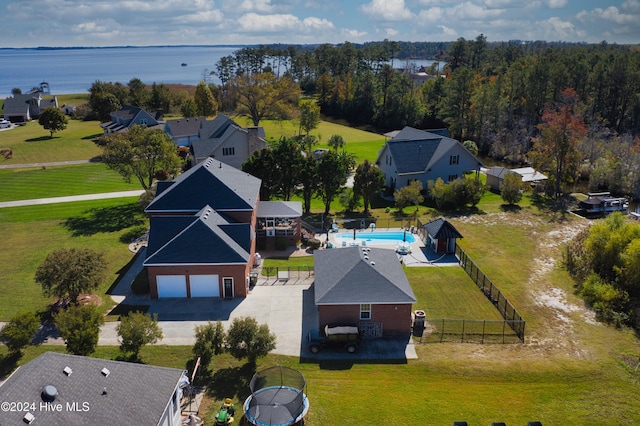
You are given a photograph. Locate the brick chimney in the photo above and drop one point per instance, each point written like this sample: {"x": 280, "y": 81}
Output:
{"x": 253, "y": 139}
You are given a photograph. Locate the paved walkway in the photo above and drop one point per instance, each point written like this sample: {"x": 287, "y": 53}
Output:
{"x": 72, "y": 198}
{"x": 50, "y": 164}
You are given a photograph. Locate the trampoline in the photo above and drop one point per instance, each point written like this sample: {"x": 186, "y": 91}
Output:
{"x": 277, "y": 397}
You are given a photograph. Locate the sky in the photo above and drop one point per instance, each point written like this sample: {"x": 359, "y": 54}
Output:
{"x": 64, "y": 23}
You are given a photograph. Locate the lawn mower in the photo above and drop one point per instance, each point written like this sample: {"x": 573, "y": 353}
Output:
{"x": 225, "y": 415}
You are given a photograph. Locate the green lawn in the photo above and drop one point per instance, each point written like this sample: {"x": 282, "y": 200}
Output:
{"x": 30, "y": 233}
{"x": 365, "y": 145}
{"x": 57, "y": 181}
{"x": 31, "y": 143}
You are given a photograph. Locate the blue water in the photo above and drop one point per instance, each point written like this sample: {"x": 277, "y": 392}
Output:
{"x": 380, "y": 236}
{"x": 71, "y": 71}
{"x": 74, "y": 70}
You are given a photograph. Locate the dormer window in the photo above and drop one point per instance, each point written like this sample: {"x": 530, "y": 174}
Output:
{"x": 454, "y": 159}
{"x": 228, "y": 151}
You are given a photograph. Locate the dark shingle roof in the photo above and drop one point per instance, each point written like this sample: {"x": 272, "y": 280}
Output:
{"x": 136, "y": 393}
{"x": 355, "y": 275}
{"x": 412, "y": 156}
{"x": 440, "y": 228}
{"x": 209, "y": 238}
{"x": 208, "y": 183}
{"x": 184, "y": 126}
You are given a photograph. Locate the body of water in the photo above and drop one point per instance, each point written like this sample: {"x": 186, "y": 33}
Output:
{"x": 74, "y": 70}
{"x": 71, "y": 71}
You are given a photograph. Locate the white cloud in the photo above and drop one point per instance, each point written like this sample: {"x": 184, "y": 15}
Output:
{"x": 387, "y": 10}
{"x": 252, "y": 22}
{"x": 352, "y": 34}
{"x": 555, "y": 28}
{"x": 556, "y": 4}
{"x": 209, "y": 16}
{"x": 473, "y": 11}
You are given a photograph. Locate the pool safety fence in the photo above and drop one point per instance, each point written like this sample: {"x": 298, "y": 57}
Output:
{"x": 502, "y": 304}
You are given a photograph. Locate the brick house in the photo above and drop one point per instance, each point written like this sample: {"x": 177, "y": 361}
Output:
{"x": 363, "y": 285}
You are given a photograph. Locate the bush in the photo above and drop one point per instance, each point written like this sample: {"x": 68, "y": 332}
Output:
{"x": 136, "y": 330}
{"x": 79, "y": 326}
{"x": 512, "y": 188}
{"x": 314, "y": 244}
{"x": 209, "y": 342}
{"x": 134, "y": 233}
{"x": 247, "y": 339}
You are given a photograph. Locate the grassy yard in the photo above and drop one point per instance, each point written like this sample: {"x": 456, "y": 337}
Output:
{"x": 57, "y": 181}
{"x": 31, "y": 143}
{"x": 365, "y": 145}
{"x": 30, "y": 233}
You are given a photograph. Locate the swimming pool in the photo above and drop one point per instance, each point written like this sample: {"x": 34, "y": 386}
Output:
{"x": 374, "y": 238}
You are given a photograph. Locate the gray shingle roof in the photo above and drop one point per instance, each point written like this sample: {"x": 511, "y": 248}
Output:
{"x": 212, "y": 183}
{"x": 136, "y": 393}
{"x": 184, "y": 126}
{"x": 279, "y": 209}
{"x": 208, "y": 239}
{"x": 440, "y": 228}
{"x": 355, "y": 275}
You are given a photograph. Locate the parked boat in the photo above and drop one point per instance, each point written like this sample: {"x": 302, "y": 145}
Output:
{"x": 603, "y": 203}
{"x": 184, "y": 64}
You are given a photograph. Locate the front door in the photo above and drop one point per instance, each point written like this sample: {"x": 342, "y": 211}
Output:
{"x": 227, "y": 287}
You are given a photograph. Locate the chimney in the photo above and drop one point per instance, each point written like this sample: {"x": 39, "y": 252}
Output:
{"x": 253, "y": 139}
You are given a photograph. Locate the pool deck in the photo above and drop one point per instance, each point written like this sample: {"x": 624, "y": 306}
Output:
{"x": 419, "y": 256}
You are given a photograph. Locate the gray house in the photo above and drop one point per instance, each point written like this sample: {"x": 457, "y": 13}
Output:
{"x": 22, "y": 108}
{"x": 184, "y": 130}
{"x": 129, "y": 116}
{"x": 225, "y": 140}
{"x": 363, "y": 285}
{"x": 414, "y": 154}
{"x": 60, "y": 389}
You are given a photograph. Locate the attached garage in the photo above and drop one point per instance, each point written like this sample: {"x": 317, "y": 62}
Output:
{"x": 171, "y": 286}
{"x": 204, "y": 285}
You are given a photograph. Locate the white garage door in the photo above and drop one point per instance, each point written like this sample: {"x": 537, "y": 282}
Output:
{"x": 204, "y": 285}
{"x": 172, "y": 285}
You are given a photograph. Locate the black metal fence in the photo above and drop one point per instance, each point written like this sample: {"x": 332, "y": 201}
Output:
{"x": 438, "y": 330}
{"x": 506, "y": 309}
{"x": 288, "y": 272}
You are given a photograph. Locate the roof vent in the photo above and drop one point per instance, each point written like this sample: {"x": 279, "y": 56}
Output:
{"x": 49, "y": 393}
{"x": 28, "y": 418}
{"x": 366, "y": 257}
{"x": 67, "y": 370}
{"x": 105, "y": 372}
{"x": 373, "y": 263}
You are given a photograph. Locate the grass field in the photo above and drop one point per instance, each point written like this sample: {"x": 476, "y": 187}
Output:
{"x": 31, "y": 143}
{"x": 57, "y": 181}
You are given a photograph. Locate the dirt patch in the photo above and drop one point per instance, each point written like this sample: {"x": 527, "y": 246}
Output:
{"x": 89, "y": 299}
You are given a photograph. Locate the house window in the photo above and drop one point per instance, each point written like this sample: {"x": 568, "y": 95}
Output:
{"x": 365, "y": 311}
{"x": 454, "y": 159}
{"x": 229, "y": 151}
{"x": 452, "y": 178}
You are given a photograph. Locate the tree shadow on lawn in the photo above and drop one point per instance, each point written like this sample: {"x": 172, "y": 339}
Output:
{"x": 8, "y": 363}
{"x": 106, "y": 219}
{"x": 231, "y": 382}
{"x": 41, "y": 139}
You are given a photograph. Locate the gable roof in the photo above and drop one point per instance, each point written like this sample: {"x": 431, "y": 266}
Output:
{"x": 184, "y": 127}
{"x": 279, "y": 209}
{"x": 497, "y": 171}
{"x": 415, "y": 151}
{"x": 133, "y": 391}
{"x": 354, "y": 275}
{"x": 214, "y": 133}
{"x": 212, "y": 183}
{"x": 441, "y": 229}
{"x": 209, "y": 238}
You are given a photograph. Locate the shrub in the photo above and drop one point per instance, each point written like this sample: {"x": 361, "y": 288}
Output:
{"x": 134, "y": 233}
{"x": 136, "y": 330}
{"x": 247, "y": 339}
{"x": 79, "y": 326}
{"x": 314, "y": 244}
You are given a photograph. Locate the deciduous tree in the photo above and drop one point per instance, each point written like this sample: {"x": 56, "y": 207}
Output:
{"x": 511, "y": 188}
{"x": 262, "y": 95}
{"x": 136, "y": 330}
{"x": 556, "y": 148}
{"x": 53, "y": 120}
{"x": 71, "y": 272}
{"x": 309, "y": 115}
{"x": 19, "y": 331}
{"x": 79, "y": 326}
{"x": 410, "y": 195}
{"x": 333, "y": 170}
{"x": 246, "y": 339}
{"x": 209, "y": 341}
{"x": 140, "y": 153}
{"x": 367, "y": 182}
